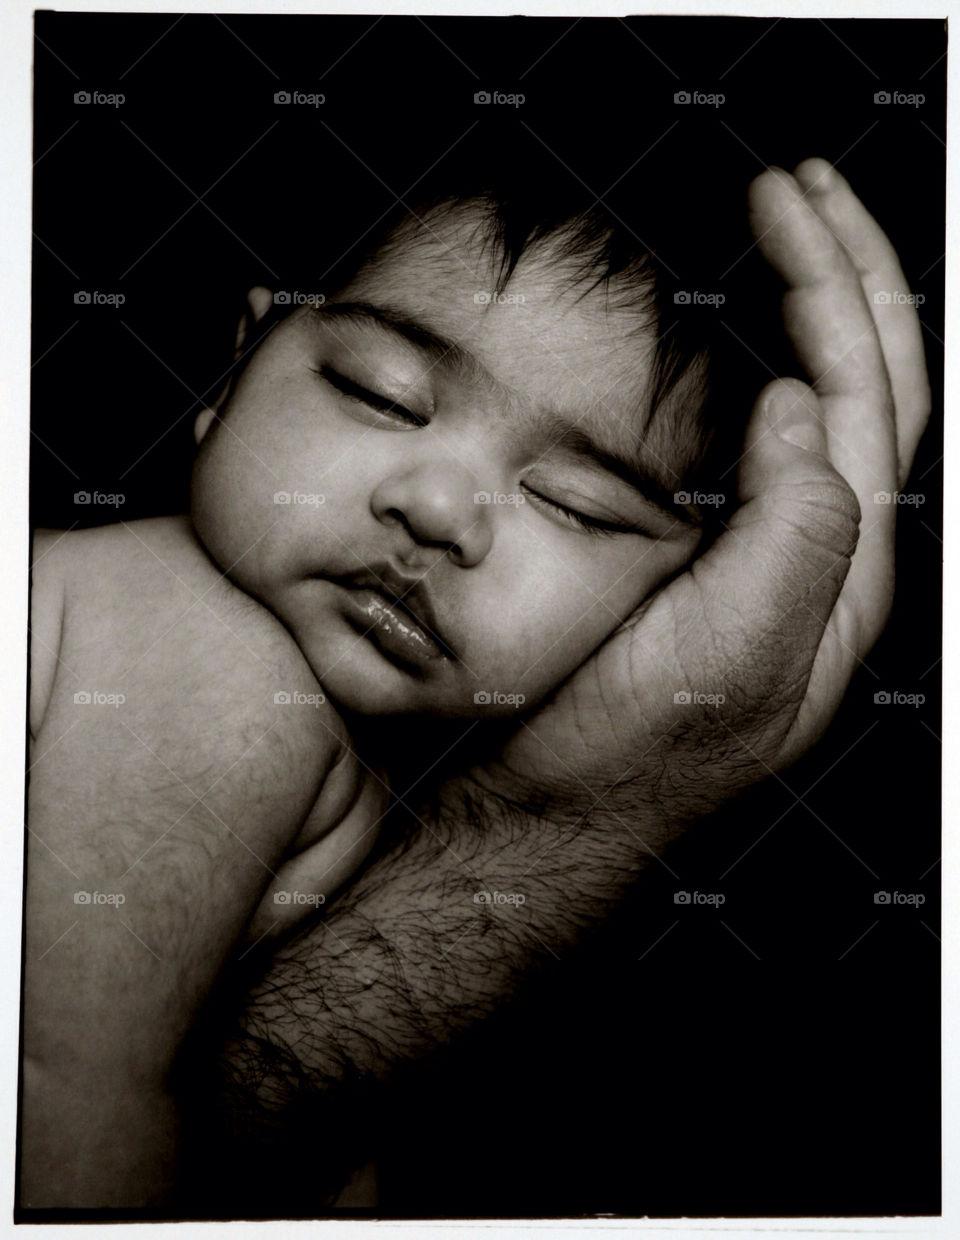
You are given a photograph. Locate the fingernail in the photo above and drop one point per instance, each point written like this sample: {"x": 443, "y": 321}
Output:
{"x": 826, "y": 182}
{"x": 801, "y": 432}
{"x": 798, "y": 424}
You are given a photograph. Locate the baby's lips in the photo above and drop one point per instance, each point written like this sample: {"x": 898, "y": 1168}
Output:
{"x": 406, "y": 597}
{"x": 391, "y": 619}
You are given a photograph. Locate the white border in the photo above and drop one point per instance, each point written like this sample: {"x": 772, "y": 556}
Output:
{"x": 16, "y": 51}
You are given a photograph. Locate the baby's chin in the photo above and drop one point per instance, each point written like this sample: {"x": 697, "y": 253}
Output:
{"x": 358, "y": 678}
{"x": 366, "y": 674}
{"x": 373, "y": 695}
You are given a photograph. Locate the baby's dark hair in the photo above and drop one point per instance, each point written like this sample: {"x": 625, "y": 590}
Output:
{"x": 662, "y": 251}
{"x": 596, "y": 254}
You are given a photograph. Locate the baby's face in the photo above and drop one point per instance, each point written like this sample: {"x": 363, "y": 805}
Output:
{"x": 471, "y": 506}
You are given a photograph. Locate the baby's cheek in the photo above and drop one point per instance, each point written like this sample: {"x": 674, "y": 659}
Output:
{"x": 574, "y": 609}
{"x": 540, "y": 643}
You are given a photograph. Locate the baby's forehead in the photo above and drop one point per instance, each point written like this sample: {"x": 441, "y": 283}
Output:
{"x": 553, "y": 333}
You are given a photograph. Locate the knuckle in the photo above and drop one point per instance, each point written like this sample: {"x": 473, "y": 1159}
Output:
{"x": 821, "y": 512}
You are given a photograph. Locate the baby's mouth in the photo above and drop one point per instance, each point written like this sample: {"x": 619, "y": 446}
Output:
{"x": 396, "y": 615}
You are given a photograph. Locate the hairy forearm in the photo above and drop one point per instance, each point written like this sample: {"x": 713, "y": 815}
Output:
{"x": 438, "y": 934}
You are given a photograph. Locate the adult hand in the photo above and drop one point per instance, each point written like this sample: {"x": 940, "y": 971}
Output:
{"x": 771, "y": 623}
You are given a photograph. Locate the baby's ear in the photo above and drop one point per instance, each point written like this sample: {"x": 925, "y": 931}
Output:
{"x": 259, "y": 301}
{"x": 202, "y": 424}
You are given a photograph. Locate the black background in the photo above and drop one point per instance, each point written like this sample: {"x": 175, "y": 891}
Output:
{"x": 779, "y": 1055}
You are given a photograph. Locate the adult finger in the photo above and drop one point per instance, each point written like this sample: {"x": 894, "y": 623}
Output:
{"x": 887, "y": 294}
{"x": 835, "y": 338}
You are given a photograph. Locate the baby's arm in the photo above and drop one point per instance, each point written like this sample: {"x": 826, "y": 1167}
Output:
{"x": 355, "y": 800}
{"x": 160, "y": 809}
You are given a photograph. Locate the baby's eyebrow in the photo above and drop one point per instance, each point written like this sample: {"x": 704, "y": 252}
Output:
{"x": 634, "y": 471}
{"x": 437, "y": 347}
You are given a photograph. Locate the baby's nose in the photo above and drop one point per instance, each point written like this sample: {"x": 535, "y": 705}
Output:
{"x": 438, "y": 504}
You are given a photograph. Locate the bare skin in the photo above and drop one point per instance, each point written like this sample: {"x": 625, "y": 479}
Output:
{"x": 775, "y": 615}
{"x": 162, "y": 762}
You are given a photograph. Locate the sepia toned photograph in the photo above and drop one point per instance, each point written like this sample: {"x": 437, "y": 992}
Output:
{"x": 484, "y": 687}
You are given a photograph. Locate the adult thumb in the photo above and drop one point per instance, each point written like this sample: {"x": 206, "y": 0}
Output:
{"x": 798, "y": 520}
{"x": 772, "y": 579}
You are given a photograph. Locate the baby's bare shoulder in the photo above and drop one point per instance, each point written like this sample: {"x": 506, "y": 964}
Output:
{"x": 156, "y": 562}
{"x": 145, "y": 613}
